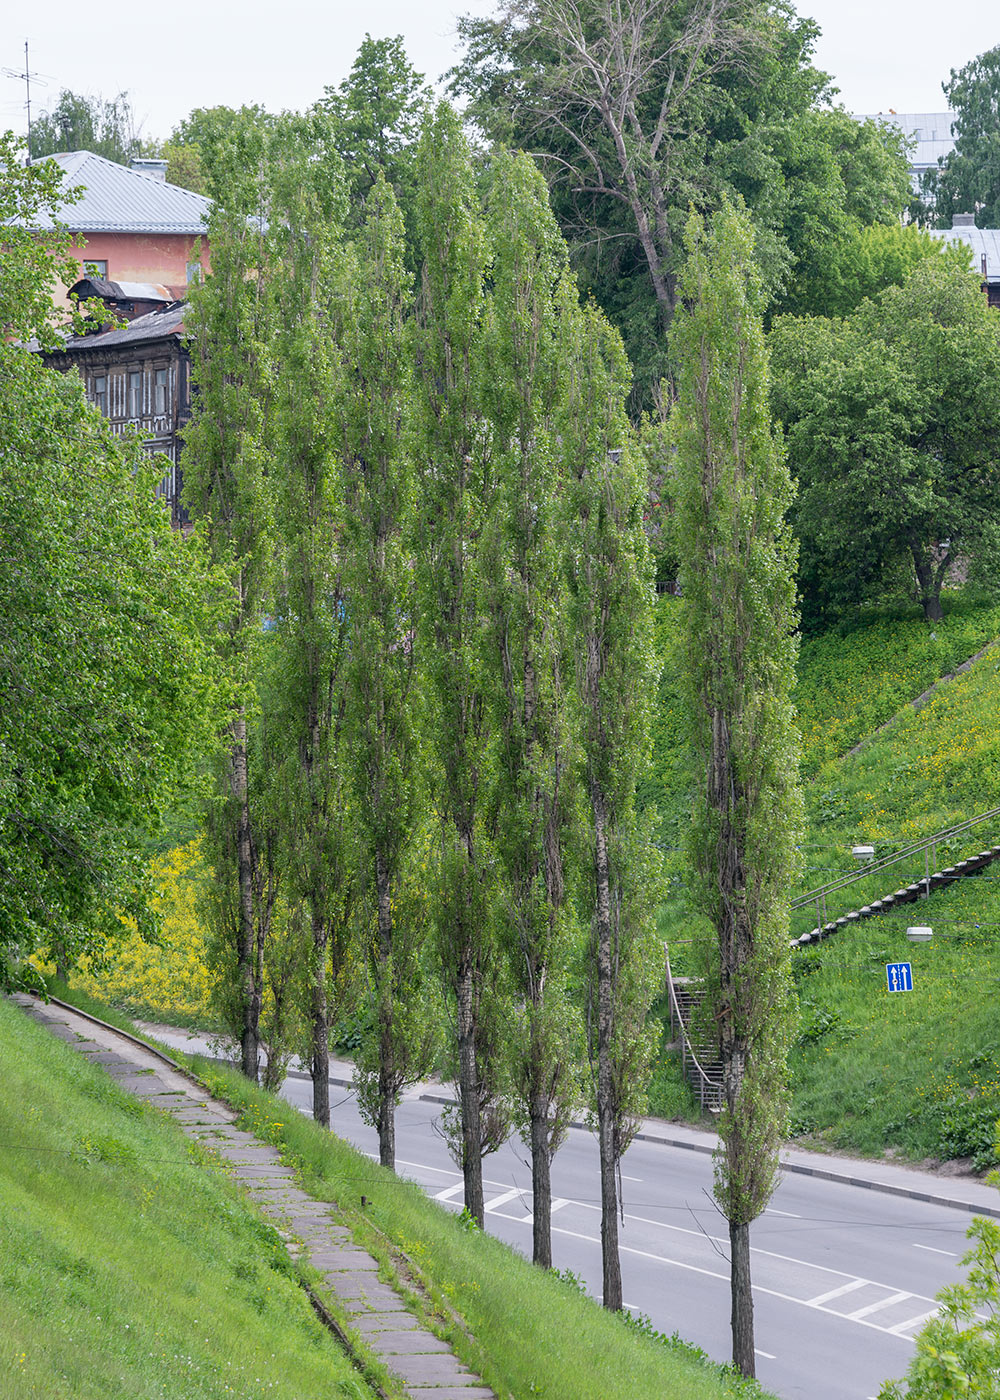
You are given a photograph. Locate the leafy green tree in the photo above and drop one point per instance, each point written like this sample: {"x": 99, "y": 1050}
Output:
{"x": 892, "y": 422}
{"x": 108, "y": 691}
{"x": 968, "y": 181}
{"x": 610, "y": 617}
{"x": 378, "y": 579}
{"x": 532, "y": 292}
{"x": 455, "y": 489}
{"x": 958, "y": 1350}
{"x": 638, "y": 111}
{"x": 77, "y": 122}
{"x": 376, "y": 115}
{"x": 737, "y": 568}
{"x": 226, "y": 490}
{"x": 206, "y": 140}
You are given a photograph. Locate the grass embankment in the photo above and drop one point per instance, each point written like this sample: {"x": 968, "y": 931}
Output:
{"x": 918, "y": 1071}
{"x": 529, "y": 1333}
{"x": 128, "y": 1267}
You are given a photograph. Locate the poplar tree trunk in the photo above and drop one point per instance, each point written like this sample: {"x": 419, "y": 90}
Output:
{"x": 468, "y": 1091}
{"x": 611, "y": 1260}
{"x": 744, "y": 1357}
{"x": 246, "y": 950}
{"x": 386, "y": 1112}
{"x": 541, "y": 1183}
{"x": 320, "y": 1025}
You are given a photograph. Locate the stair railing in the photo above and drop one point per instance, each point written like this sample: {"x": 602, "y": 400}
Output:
{"x": 708, "y": 1090}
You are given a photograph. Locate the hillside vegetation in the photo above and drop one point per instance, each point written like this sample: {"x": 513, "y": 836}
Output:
{"x": 128, "y": 1267}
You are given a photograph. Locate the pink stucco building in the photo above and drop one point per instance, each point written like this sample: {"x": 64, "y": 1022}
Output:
{"x": 130, "y": 225}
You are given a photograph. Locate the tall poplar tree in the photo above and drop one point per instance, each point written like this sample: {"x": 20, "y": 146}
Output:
{"x": 610, "y": 576}
{"x": 379, "y": 588}
{"x": 226, "y": 489}
{"x": 456, "y": 486}
{"x": 737, "y": 570}
{"x": 312, "y": 633}
{"x": 531, "y": 291}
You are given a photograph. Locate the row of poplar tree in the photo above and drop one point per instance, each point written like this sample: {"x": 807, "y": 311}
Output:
{"x": 411, "y": 451}
{"x": 410, "y": 448}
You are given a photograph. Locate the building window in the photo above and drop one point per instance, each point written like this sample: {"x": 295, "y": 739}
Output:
{"x": 96, "y": 267}
{"x": 135, "y": 394}
{"x": 99, "y": 392}
{"x": 160, "y": 391}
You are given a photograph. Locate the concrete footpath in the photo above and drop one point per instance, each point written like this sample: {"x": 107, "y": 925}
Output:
{"x": 370, "y": 1308}
{"x": 959, "y": 1192}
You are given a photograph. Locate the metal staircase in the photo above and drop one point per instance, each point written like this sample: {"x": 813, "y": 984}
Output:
{"x": 699, "y": 1058}
{"x": 931, "y": 880}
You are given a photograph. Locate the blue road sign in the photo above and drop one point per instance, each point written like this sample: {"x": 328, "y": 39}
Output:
{"x": 899, "y": 977}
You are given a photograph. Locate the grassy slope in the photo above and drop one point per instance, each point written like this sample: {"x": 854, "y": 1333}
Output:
{"x": 535, "y": 1334}
{"x": 528, "y": 1332}
{"x": 917, "y": 1072}
{"x": 127, "y": 1267}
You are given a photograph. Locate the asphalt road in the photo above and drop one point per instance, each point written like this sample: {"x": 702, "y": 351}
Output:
{"x": 844, "y": 1276}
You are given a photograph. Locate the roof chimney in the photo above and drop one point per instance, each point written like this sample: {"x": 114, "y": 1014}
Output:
{"x": 157, "y": 169}
{"x": 963, "y": 221}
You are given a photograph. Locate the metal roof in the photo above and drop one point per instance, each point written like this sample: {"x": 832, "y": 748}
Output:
{"x": 119, "y": 200}
{"x": 121, "y": 291}
{"x": 155, "y": 325}
{"x": 980, "y": 240}
{"x": 930, "y": 131}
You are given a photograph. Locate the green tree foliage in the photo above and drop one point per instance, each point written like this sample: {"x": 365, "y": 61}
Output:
{"x": 206, "y": 141}
{"x": 456, "y": 488}
{"x": 311, "y": 639}
{"x": 892, "y": 421}
{"x": 968, "y": 181}
{"x": 737, "y": 567}
{"x": 379, "y": 586}
{"x": 610, "y": 616}
{"x": 638, "y": 111}
{"x": 107, "y": 688}
{"x": 958, "y": 1350}
{"x": 532, "y": 294}
{"x": 77, "y": 122}
{"x": 376, "y": 114}
{"x": 226, "y": 489}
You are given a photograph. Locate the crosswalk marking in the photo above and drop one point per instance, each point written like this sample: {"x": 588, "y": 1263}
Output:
{"x": 836, "y": 1292}
{"x": 497, "y": 1201}
{"x": 876, "y": 1307}
{"x": 918, "y": 1321}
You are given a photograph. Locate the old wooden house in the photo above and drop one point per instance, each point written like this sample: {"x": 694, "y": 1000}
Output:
{"x": 137, "y": 374}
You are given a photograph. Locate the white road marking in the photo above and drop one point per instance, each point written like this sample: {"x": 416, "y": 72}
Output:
{"x": 769, "y": 1354}
{"x": 918, "y": 1321}
{"x": 837, "y": 1292}
{"x": 497, "y": 1201}
{"x": 631, "y": 1178}
{"x": 877, "y": 1307}
{"x": 558, "y": 1204}
{"x": 931, "y": 1250}
{"x": 897, "y": 1330}
{"x": 790, "y": 1213}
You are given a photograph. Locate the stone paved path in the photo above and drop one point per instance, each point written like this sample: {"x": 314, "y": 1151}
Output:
{"x": 426, "y": 1366}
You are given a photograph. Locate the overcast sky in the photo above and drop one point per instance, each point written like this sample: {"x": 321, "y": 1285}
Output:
{"x": 882, "y": 54}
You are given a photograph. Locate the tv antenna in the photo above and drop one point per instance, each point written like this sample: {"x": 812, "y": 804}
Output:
{"x": 26, "y": 78}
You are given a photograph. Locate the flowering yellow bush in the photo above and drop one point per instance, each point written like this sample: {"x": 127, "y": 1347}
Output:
{"x": 167, "y": 981}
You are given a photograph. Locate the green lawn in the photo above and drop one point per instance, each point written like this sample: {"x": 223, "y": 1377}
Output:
{"x": 127, "y": 1267}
